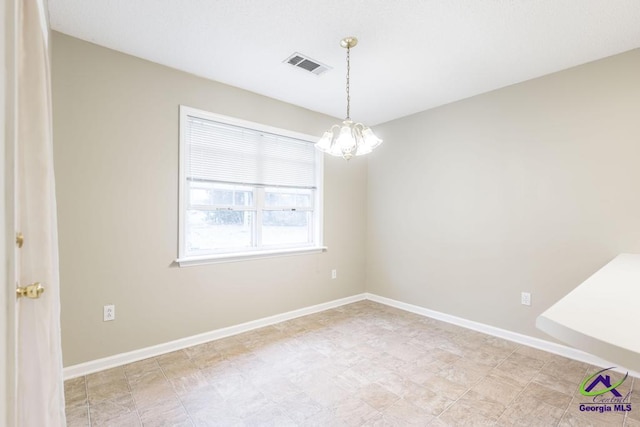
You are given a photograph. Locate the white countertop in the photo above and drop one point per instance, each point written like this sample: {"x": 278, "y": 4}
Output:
{"x": 602, "y": 315}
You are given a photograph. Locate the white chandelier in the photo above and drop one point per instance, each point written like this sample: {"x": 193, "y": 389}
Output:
{"x": 348, "y": 139}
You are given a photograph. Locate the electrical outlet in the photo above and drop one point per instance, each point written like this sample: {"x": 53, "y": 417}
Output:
{"x": 525, "y": 298}
{"x": 109, "y": 313}
{"x": 334, "y": 274}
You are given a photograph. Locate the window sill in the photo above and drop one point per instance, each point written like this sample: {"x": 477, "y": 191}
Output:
{"x": 244, "y": 256}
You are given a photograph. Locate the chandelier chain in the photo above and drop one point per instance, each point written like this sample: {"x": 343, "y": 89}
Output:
{"x": 348, "y": 71}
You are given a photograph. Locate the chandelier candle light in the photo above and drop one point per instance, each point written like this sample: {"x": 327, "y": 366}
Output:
{"x": 349, "y": 139}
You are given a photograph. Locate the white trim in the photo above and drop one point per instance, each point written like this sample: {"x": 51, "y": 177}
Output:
{"x": 8, "y": 128}
{"x": 144, "y": 353}
{"x": 190, "y": 111}
{"x": 243, "y": 256}
{"x": 319, "y": 201}
{"x": 182, "y": 176}
{"x": 540, "y": 344}
{"x": 156, "y": 350}
{"x": 316, "y": 229}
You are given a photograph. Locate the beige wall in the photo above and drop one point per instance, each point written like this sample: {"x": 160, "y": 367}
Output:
{"x": 529, "y": 188}
{"x": 116, "y": 160}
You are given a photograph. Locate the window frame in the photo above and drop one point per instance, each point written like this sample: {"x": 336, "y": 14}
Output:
{"x": 315, "y": 246}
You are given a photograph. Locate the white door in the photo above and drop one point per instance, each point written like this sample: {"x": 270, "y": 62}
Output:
{"x": 7, "y": 226}
{"x": 35, "y": 394}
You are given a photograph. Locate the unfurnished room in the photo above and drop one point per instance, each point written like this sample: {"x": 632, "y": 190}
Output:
{"x": 320, "y": 213}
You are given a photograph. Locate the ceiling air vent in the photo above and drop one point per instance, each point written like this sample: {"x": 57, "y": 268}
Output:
{"x": 303, "y": 62}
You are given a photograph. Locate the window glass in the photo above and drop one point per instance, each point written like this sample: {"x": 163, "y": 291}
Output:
{"x": 215, "y": 230}
{"x": 286, "y": 227}
{"x": 246, "y": 187}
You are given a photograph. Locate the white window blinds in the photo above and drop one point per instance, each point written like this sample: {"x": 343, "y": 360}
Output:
{"x": 222, "y": 152}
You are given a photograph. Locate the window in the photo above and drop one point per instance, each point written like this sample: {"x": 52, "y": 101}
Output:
{"x": 246, "y": 190}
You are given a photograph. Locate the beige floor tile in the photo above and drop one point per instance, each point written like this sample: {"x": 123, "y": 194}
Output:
{"x": 546, "y": 395}
{"x": 247, "y": 403}
{"x": 573, "y": 419}
{"x": 563, "y": 368}
{"x": 77, "y": 416}
{"x": 481, "y": 404}
{"x": 565, "y": 386}
{"x": 497, "y": 390}
{"x": 189, "y": 384}
{"x": 491, "y": 357}
{"x": 453, "y": 347}
{"x": 458, "y": 416}
{"x": 530, "y": 411}
{"x": 326, "y": 417}
{"x": 371, "y": 371}
{"x": 444, "y": 357}
{"x": 397, "y": 384}
{"x": 75, "y": 392}
{"x": 634, "y": 414}
{"x": 513, "y": 373}
{"x": 173, "y": 357}
{"x": 206, "y": 359}
{"x": 438, "y": 423}
{"x": 109, "y": 413}
{"x": 396, "y": 364}
{"x": 146, "y": 378}
{"x": 301, "y": 407}
{"x": 359, "y": 364}
{"x": 115, "y": 390}
{"x": 526, "y": 361}
{"x": 206, "y": 400}
{"x": 405, "y": 351}
{"x": 208, "y": 417}
{"x": 232, "y": 385}
{"x": 630, "y": 422}
{"x": 165, "y": 414}
{"x": 178, "y": 368}
{"x": 464, "y": 372}
{"x": 103, "y": 377}
{"x": 401, "y": 415}
{"x": 404, "y": 413}
{"x": 353, "y": 380}
{"x": 445, "y": 387}
{"x": 269, "y": 415}
{"x": 432, "y": 402}
{"x": 377, "y": 396}
{"x": 534, "y": 353}
{"x": 131, "y": 370}
{"x": 354, "y": 412}
{"x": 232, "y": 351}
{"x": 219, "y": 369}
{"x": 280, "y": 389}
{"x": 326, "y": 393}
{"x": 168, "y": 403}
{"x": 501, "y": 343}
{"x": 150, "y": 396}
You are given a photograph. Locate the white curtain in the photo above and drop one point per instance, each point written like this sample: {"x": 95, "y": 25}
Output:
{"x": 40, "y": 397}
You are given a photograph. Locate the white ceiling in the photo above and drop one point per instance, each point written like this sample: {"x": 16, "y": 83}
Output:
{"x": 412, "y": 54}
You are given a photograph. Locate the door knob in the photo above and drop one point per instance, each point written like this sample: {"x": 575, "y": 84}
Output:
{"x": 33, "y": 290}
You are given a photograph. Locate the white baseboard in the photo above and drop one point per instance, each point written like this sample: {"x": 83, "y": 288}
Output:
{"x": 156, "y": 350}
{"x": 540, "y": 344}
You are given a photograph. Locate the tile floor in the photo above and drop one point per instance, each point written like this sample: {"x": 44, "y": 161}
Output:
{"x": 363, "y": 364}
